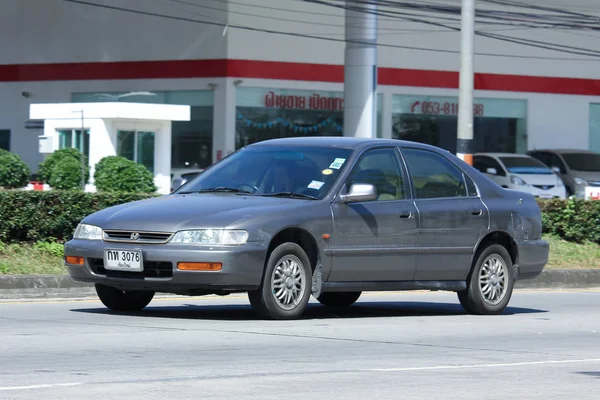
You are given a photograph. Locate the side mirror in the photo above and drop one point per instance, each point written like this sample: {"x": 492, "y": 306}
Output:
{"x": 491, "y": 171}
{"x": 360, "y": 192}
{"x": 556, "y": 169}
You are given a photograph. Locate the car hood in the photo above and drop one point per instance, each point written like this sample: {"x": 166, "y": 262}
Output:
{"x": 172, "y": 213}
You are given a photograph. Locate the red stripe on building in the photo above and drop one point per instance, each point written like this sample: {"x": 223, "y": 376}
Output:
{"x": 287, "y": 71}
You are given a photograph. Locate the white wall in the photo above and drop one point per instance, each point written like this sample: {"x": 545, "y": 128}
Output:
{"x": 319, "y": 20}
{"x": 50, "y": 31}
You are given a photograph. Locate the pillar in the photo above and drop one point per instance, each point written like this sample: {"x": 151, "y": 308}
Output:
{"x": 360, "y": 70}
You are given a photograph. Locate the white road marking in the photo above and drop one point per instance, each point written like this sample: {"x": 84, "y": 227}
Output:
{"x": 45, "y": 386}
{"x": 516, "y": 364}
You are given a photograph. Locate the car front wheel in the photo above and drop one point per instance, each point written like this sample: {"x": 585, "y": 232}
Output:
{"x": 119, "y": 300}
{"x": 285, "y": 289}
{"x": 490, "y": 284}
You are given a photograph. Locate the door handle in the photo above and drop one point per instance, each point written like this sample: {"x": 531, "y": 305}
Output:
{"x": 476, "y": 212}
{"x": 405, "y": 214}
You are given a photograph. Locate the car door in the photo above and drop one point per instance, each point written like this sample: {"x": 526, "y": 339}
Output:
{"x": 376, "y": 240}
{"x": 452, "y": 217}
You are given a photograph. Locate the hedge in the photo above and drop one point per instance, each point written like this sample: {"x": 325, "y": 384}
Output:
{"x": 30, "y": 216}
{"x": 53, "y": 215}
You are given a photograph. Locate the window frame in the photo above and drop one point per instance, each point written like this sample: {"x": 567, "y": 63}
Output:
{"x": 408, "y": 194}
{"x": 468, "y": 181}
{"x": 84, "y": 140}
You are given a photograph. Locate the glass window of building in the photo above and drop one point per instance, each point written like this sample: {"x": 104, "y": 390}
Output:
{"x": 5, "y": 139}
{"x": 594, "y": 127}
{"x": 264, "y": 114}
{"x": 191, "y": 142}
{"x": 500, "y": 125}
{"x": 137, "y": 146}
{"x": 72, "y": 138}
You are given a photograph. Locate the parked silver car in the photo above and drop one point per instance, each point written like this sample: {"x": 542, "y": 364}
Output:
{"x": 577, "y": 168}
{"x": 330, "y": 217}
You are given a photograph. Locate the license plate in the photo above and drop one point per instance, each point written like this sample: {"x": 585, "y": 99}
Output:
{"x": 545, "y": 196}
{"x": 123, "y": 260}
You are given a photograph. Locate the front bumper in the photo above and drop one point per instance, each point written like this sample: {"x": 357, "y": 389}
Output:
{"x": 533, "y": 257}
{"x": 242, "y": 267}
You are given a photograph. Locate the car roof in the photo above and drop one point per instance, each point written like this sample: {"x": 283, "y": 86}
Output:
{"x": 341, "y": 142}
{"x": 565, "y": 151}
{"x": 503, "y": 155}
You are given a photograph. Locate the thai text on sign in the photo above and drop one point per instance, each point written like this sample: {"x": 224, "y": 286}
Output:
{"x": 313, "y": 102}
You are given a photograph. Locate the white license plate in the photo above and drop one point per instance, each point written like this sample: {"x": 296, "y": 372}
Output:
{"x": 123, "y": 260}
{"x": 545, "y": 196}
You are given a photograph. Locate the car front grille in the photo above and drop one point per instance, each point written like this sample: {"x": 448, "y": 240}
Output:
{"x": 544, "y": 187}
{"x": 136, "y": 236}
{"x": 152, "y": 269}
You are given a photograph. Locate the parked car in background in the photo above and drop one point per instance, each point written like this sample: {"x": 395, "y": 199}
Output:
{"x": 520, "y": 172}
{"x": 330, "y": 217}
{"x": 577, "y": 168}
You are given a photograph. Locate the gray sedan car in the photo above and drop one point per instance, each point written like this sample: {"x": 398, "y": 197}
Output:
{"x": 330, "y": 217}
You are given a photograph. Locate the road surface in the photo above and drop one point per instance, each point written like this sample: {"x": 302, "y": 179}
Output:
{"x": 387, "y": 346}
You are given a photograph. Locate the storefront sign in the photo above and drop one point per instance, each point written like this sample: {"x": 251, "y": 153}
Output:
{"x": 592, "y": 193}
{"x": 310, "y": 102}
{"x": 443, "y": 108}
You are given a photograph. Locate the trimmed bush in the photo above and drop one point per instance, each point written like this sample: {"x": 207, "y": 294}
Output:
{"x": 30, "y": 216}
{"x": 47, "y": 167}
{"x": 14, "y": 173}
{"x": 572, "y": 220}
{"x": 118, "y": 174}
{"x": 66, "y": 175}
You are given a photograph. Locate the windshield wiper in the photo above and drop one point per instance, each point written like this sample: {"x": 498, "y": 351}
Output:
{"x": 220, "y": 189}
{"x": 290, "y": 194}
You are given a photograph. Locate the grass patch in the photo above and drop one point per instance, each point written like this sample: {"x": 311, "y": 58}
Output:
{"x": 571, "y": 255}
{"x": 47, "y": 257}
{"x": 40, "y": 258}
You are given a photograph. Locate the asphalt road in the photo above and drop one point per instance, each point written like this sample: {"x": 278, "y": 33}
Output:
{"x": 388, "y": 346}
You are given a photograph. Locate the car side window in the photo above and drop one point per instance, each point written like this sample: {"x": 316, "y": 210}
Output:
{"x": 482, "y": 163}
{"x": 434, "y": 176}
{"x": 380, "y": 167}
{"x": 555, "y": 161}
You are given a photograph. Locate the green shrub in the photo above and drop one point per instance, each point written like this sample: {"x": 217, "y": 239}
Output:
{"x": 118, "y": 174}
{"x": 14, "y": 173}
{"x": 30, "y": 216}
{"x": 46, "y": 168}
{"x": 572, "y": 220}
{"x": 66, "y": 175}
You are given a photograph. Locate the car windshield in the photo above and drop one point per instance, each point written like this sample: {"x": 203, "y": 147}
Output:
{"x": 525, "y": 165}
{"x": 296, "y": 172}
{"x": 588, "y": 162}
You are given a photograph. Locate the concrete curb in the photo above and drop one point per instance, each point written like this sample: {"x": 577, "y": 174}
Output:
{"x": 62, "y": 286}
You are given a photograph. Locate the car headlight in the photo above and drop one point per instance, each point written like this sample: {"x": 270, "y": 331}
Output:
{"x": 579, "y": 181}
{"x": 213, "y": 237}
{"x": 88, "y": 232}
{"x": 518, "y": 181}
{"x": 559, "y": 182}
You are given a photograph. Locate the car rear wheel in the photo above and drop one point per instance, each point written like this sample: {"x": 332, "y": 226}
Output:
{"x": 338, "y": 299}
{"x": 490, "y": 283}
{"x": 285, "y": 288}
{"x": 119, "y": 300}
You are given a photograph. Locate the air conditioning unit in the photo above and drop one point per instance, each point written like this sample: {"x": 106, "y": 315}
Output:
{"x": 45, "y": 144}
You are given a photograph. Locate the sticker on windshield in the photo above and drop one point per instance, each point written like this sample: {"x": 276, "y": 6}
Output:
{"x": 316, "y": 185}
{"x": 337, "y": 163}
{"x": 327, "y": 172}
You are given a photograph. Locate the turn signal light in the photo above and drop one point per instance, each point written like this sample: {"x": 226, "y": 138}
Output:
{"x": 201, "y": 266}
{"x": 74, "y": 260}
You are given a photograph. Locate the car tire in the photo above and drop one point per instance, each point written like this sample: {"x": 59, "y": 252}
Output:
{"x": 119, "y": 300}
{"x": 338, "y": 299}
{"x": 490, "y": 283}
{"x": 288, "y": 265}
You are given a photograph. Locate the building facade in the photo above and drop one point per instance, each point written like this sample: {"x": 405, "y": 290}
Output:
{"x": 261, "y": 69}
